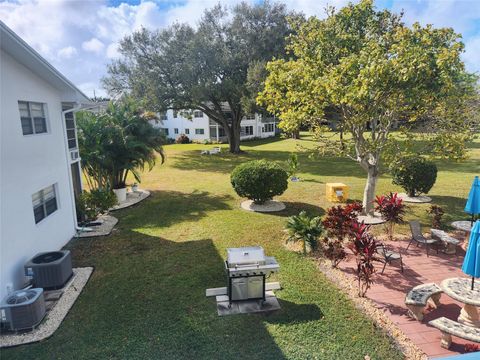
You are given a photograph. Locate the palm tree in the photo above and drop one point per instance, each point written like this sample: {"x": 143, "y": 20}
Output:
{"x": 118, "y": 142}
{"x": 304, "y": 228}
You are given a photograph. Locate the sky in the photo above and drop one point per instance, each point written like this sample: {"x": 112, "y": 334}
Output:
{"x": 80, "y": 37}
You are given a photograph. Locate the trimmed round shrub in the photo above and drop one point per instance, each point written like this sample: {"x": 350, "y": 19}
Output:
{"x": 415, "y": 175}
{"x": 259, "y": 180}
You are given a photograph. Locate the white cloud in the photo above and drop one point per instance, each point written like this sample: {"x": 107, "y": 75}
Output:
{"x": 67, "y": 52}
{"x": 81, "y": 37}
{"x": 93, "y": 45}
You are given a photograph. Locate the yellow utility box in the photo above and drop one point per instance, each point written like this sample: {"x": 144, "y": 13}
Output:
{"x": 336, "y": 192}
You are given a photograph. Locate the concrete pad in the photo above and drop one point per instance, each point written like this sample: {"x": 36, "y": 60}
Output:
{"x": 223, "y": 290}
{"x": 422, "y": 199}
{"x": 247, "y": 307}
{"x": 133, "y": 197}
{"x": 376, "y": 219}
{"x": 108, "y": 223}
{"x": 268, "y": 206}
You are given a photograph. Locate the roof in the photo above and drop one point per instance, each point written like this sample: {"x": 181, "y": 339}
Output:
{"x": 12, "y": 44}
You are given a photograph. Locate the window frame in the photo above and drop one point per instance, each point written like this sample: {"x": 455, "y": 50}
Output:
{"x": 187, "y": 131}
{"x": 199, "y": 131}
{"x": 44, "y": 202}
{"x": 196, "y": 112}
{"x": 31, "y": 119}
{"x": 175, "y": 131}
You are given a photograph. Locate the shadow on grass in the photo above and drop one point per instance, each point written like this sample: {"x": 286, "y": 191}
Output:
{"x": 226, "y": 162}
{"x": 453, "y": 207}
{"x": 164, "y": 208}
{"x": 294, "y": 208}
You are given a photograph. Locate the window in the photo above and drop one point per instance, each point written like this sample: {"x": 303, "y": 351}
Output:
{"x": 175, "y": 131}
{"x": 187, "y": 131}
{"x": 250, "y": 117}
{"x": 71, "y": 134}
{"x": 197, "y": 114}
{"x": 163, "y": 116}
{"x": 32, "y": 117}
{"x": 268, "y": 128}
{"x": 175, "y": 113}
{"x": 44, "y": 203}
{"x": 199, "y": 131}
{"x": 164, "y": 131}
{"x": 246, "y": 130}
{"x": 221, "y": 132}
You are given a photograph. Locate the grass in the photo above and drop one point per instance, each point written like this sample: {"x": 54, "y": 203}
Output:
{"x": 146, "y": 298}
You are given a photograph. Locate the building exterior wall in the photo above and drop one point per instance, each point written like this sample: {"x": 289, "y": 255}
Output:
{"x": 209, "y": 127}
{"x": 29, "y": 163}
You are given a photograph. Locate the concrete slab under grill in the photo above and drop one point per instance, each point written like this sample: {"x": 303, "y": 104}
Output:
{"x": 247, "y": 307}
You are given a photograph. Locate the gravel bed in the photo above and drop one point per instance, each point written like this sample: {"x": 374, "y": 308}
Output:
{"x": 55, "y": 316}
{"x": 349, "y": 286}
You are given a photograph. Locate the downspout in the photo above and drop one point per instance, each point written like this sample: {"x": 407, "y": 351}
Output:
{"x": 67, "y": 151}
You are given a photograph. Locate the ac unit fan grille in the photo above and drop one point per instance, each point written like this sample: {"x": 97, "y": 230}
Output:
{"x": 21, "y": 297}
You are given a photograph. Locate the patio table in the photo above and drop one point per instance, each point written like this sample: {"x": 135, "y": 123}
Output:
{"x": 463, "y": 226}
{"x": 460, "y": 290}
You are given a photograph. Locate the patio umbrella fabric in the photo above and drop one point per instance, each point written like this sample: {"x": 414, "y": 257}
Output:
{"x": 473, "y": 201}
{"x": 471, "y": 263}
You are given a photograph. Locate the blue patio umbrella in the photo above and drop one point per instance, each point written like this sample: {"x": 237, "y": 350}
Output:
{"x": 473, "y": 202}
{"x": 471, "y": 263}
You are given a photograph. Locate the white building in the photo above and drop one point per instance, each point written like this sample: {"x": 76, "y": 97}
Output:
{"x": 201, "y": 128}
{"x": 39, "y": 160}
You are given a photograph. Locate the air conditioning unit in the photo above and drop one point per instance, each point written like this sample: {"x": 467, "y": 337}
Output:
{"x": 50, "y": 270}
{"x": 22, "y": 309}
{"x": 74, "y": 155}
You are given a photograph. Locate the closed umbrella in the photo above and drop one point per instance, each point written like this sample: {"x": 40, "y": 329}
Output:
{"x": 473, "y": 202}
{"x": 471, "y": 263}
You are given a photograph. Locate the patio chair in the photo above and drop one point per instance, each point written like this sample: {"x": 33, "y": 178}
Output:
{"x": 418, "y": 237}
{"x": 387, "y": 256}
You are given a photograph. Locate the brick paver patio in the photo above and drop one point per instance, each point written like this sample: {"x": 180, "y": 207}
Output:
{"x": 389, "y": 291}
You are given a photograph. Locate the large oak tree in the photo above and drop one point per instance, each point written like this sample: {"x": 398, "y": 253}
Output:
{"x": 373, "y": 72}
{"x": 205, "y": 68}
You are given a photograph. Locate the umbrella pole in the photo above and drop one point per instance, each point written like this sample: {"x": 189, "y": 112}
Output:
{"x": 473, "y": 280}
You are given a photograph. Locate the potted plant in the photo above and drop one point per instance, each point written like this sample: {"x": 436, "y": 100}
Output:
{"x": 135, "y": 187}
{"x": 116, "y": 143}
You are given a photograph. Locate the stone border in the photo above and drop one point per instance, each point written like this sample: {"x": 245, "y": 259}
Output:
{"x": 376, "y": 219}
{"x": 108, "y": 223}
{"x": 422, "y": 199}
{"x": 55, "y": 316}
{"x": 268, "y": 206}
{"x": 133, "y": 197}
{"x": 349, "y": 287}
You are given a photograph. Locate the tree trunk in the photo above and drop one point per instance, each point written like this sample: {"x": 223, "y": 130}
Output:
{"x": 234, "y": 142}
{"x": 369, "y": 193}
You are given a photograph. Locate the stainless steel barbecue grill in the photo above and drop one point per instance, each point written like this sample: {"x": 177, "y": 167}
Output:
{"x": 247, "y": 269}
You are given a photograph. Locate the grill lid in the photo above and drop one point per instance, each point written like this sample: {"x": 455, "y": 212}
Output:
{"x": 245, "y": 255}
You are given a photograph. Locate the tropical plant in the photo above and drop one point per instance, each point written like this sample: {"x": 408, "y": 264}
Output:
{"x": 365, "y": 71}
{"x": 91, "y": 204}
{"x": 117, "y": 142}
{"x": 437, "y": 213}
{"x": 292, "y": 163}
{"x": 392, "y": 209}
{"x": 364, "y": 247}
{"x": 415, "y": 175}
{"x": 259, "y": 180}
{"x": 339, "y": 224}
{"x": 183, "y": 139}
{"x": 339, "y": 220}
{"x": 305, "y": 229}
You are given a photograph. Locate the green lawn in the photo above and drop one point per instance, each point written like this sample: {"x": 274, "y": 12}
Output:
{"x": 146, "y": 298}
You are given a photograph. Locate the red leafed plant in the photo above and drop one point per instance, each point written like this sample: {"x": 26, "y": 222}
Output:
{"x": 471, "y": 348}
{"x": 392, "y": 209}
{"x": 364, "y": 247}
{"x": 338, "y": 223}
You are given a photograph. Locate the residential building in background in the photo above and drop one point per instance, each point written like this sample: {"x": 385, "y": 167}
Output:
{"x": 198, "y": 127}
